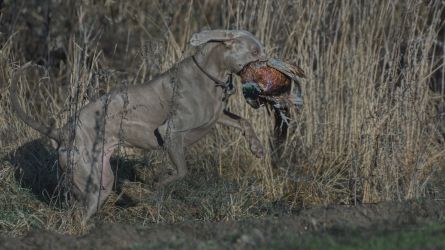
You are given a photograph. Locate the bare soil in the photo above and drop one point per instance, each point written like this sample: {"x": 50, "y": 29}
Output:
{"x": 282, "y": 231}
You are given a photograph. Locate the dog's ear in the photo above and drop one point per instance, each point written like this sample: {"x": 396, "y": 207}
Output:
{"x": 215, "y": 35}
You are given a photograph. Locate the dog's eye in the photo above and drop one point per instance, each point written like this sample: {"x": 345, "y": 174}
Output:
{"x": 255, "y": 52}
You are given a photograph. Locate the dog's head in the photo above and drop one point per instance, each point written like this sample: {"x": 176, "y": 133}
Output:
{"x": 240, "y": 47}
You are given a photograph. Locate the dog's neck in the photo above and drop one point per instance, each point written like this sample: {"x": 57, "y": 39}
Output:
{"x": 206, "y": 59}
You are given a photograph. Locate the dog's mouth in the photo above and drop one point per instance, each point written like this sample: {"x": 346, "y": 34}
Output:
{"x": 257, "y": 63}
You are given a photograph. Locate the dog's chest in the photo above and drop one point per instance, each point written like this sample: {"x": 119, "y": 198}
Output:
{"x": 211, "y": 106}
{"x": 201, "y": 105}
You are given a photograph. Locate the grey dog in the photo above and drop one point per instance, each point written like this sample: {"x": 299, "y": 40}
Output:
{"x": 196, "y": 86}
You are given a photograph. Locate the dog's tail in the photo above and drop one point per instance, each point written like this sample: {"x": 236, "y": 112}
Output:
{"x": 50, "y": 132}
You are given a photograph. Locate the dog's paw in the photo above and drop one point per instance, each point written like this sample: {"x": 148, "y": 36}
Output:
{"x": 257, "y": 148}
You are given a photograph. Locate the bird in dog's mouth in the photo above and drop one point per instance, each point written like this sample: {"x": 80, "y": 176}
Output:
{"x": 269, "y": 83}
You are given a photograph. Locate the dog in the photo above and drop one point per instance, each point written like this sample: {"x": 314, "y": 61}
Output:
{"x": 172, "y": 111}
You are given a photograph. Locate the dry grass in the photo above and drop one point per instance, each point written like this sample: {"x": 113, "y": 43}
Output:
{"x": 370, "y": 129}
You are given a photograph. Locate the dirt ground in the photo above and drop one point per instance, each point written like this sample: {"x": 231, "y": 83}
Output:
{"x": 292, "y": 231}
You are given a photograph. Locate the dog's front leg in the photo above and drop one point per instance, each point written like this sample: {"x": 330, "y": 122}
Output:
{"x": 232, "y": 120}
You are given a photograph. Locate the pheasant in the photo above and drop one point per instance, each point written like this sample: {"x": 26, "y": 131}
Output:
{"x": 270, "y": 83}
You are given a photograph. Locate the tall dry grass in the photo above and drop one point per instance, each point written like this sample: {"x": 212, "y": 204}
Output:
{"x": 369, "y": 131}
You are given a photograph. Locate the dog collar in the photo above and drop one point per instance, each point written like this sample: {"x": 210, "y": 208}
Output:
{"x": 218, "y": 82}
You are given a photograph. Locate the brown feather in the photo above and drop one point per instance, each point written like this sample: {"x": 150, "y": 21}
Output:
{"x": 271, "y": 81}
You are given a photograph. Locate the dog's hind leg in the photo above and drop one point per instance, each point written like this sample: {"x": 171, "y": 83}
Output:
{"x": 98, "y": 186}
{"x": 107, "y": 177}
{"x": 86, "y": 191}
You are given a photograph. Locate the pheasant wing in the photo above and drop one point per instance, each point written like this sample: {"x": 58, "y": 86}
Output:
{"x": 292, "y": 71}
